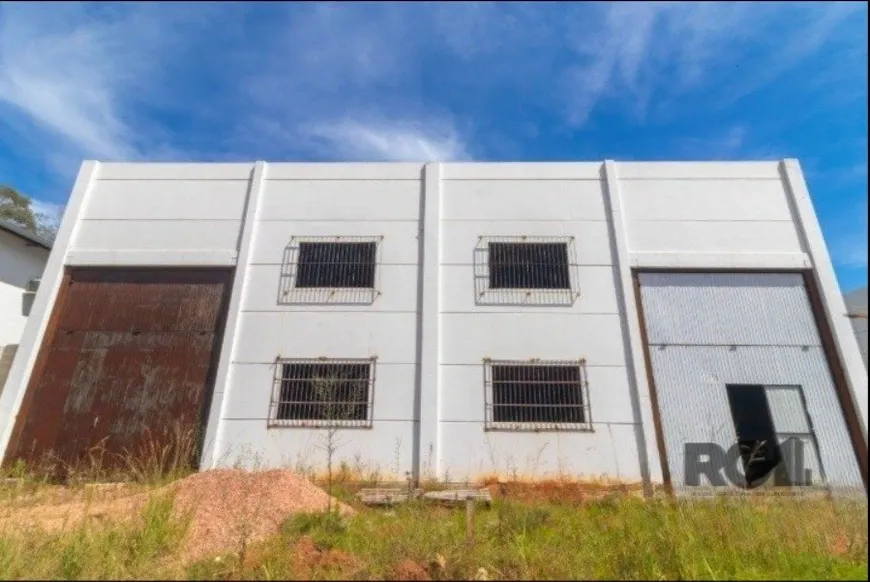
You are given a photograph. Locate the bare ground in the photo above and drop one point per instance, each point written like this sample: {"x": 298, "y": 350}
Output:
{"x": 227, "y": 508}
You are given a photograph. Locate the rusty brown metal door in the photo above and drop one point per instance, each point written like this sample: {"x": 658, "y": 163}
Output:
{"x": 126, "y": 368}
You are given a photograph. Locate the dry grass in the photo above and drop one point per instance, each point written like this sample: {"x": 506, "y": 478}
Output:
{"x": 220, "y": 511}
{"x": 551, "y": 530}
{"x": 155, "y": 461}
{"x": 163, "y": 522}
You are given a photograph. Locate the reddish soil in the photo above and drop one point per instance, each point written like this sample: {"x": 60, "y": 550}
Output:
{"x": 410, "y": 570}
{"x": 227, "y": 508}
{"x": 308, "y": 557}
{"x": 561, "y": 491}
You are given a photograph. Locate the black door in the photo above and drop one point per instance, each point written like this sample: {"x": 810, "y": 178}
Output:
{"x": 756, "y": 435}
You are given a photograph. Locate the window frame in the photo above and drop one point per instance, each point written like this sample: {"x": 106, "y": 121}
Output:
{"x": 490, "y": 424}
{"x": 276, "y": 402}
{"x": 485, "y": 294}
{"x": 290, "y": 294}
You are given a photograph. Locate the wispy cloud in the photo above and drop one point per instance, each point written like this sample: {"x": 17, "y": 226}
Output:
{"x": 360, "y": 80}
{"x": 632, "y": 53}
{"x": 399, "y": 141}
{"x": 817, "y": 25}
{"x": 66, "y": 73}
{"x": 352, "y": 139}
{"x": 435, "y": 81}
{"x": 722, "y": 145}
{"x": 84, "y": 73}
{"x": 608, "y": 56}
{"x": 352, "y": 98}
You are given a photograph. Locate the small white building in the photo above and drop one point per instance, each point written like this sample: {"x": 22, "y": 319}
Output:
{"x": 455, "y": 320}
{"x": 22, "y": 258}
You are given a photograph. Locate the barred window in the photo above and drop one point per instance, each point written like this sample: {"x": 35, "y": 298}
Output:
{"x": 321, "y": 392}
{"x": 524, "y": 270}
{"x": 336, "y": 264}
{"x": 528, "y": 266}
{"x": 536, "y": 395}
{"x": 330, "y": 270}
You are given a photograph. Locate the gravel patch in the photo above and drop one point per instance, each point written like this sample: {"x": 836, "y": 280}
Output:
{"x": 230, "y": 507}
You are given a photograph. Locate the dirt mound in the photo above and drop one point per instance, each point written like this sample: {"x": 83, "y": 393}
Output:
{"x": 230, "y": 507}
{"x": 227, "y": 508}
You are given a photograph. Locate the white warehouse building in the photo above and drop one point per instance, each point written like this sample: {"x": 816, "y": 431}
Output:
{"x": 448, "y": 320}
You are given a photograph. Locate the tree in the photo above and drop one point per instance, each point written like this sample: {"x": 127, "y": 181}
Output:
{"x": 339, "y": 397}
{"x": 47, "y": 224}
{"x": 15, "y": 207}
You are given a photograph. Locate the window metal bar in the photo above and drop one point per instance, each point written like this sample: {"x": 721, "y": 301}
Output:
{"x": 536, "y": 395}
{"x": 323, "y": 393}
{"x": 525, "y": 271}
{"x": 330, "y": 270}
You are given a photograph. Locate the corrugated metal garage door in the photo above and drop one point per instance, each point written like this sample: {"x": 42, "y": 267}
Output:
{"x": 127, "y": 361}
{"x": 706, "y": 331}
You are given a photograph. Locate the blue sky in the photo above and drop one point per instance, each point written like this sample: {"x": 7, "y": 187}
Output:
{"x": 465, "y": 81}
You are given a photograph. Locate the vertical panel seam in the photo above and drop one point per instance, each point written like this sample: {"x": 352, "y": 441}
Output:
{"x": 428, "y": 443}
{"x": 229, "y": 344}
{"x": 635, "y": 365}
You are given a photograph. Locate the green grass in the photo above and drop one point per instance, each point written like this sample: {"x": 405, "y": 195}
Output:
{"x": 627, "y": 539}
{"x": 621, "y": 538}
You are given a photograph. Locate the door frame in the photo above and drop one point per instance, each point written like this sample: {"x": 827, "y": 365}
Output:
{"x": 835, "y": 366}
{"x": 226, "y": 274}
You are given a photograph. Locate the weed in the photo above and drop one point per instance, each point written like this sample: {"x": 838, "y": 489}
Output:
{"x": 324, "y": 528}
{"x": 617, "y": 537}
{"x": 96, "y": 549}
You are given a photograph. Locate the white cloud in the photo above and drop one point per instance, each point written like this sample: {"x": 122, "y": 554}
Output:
{"x": 373, "y": 82}
{"x": 723, "y": 145}
{"x": 339, "y": 82}
{"x": 359, "y": 81}
{"x": 359, "y": 139}
{"x": 626, "y": 55}
{"x": 79, "y": 72}
{"x": 818, "y": 26}
{"x": 395, "y": 141}
{"x": 64, "y": 72}
{"x": 609, "y": 53}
